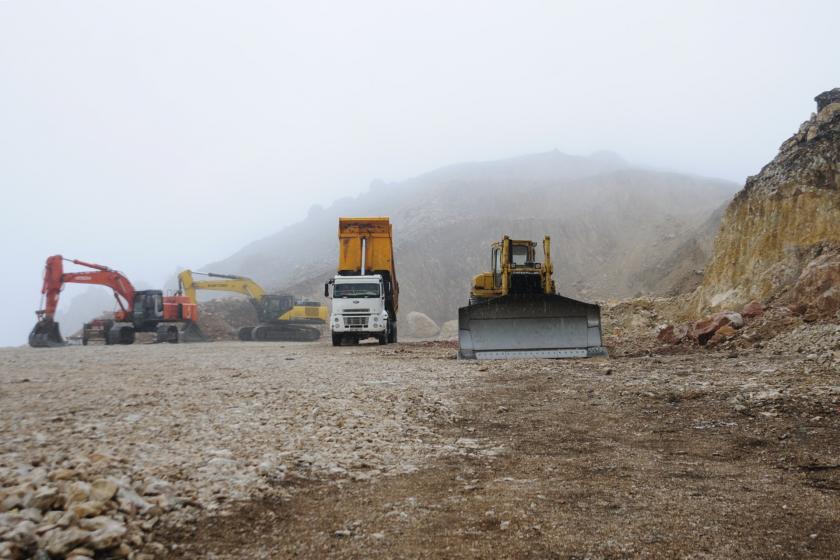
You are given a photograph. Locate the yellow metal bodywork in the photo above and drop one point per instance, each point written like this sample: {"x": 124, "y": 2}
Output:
{"x": 509, "y": 256}
{"x": 379, "y": 253}
{"x": 239, "y": 285}
{"x": 302, "y": 311}
{"x": 307, "y": 311}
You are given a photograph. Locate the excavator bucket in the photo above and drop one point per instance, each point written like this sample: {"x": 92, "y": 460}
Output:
{"x": 183, "y": 332}
{"x": 45, "y": 334}
{"x": 529, "y": 326}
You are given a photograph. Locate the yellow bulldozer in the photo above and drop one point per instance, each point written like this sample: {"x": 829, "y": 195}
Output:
{"x": 514, "y": 312}
{"x": 282, "y": 317}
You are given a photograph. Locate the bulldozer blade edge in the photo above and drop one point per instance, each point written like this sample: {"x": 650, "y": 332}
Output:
{"x": 529, "y": 326}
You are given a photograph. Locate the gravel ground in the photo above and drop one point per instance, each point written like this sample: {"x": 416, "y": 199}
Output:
{"x": 233, "y": 450}
{"x": 200, "y": 427}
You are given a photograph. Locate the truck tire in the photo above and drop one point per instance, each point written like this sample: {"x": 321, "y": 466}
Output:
{"x": 336, "y": 339}
{"x": 383, "y": 339}
{"x": 392, "y": 334}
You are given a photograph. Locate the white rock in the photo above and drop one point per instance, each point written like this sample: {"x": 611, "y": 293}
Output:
{"x": 60, "y": 541}
{"x": 421, "y": 325}
{"x": 102, "y": 490}
{"x": 107, "y": 532}
{"x": 44, "y": 498}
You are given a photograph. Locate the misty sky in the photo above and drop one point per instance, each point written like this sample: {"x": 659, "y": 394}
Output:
{"x": 150, "y": 135}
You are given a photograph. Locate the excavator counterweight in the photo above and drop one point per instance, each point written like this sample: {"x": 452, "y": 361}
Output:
{"x": 514, "y": 312}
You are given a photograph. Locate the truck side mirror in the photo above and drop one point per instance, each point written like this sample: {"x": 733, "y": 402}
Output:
{"x": 327, "y": 290}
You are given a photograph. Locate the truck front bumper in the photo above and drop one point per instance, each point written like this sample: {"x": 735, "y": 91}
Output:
{"x": 357, "y": 323}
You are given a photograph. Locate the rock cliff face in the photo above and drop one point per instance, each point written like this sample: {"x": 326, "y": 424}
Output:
{"x": 780, "y": 237}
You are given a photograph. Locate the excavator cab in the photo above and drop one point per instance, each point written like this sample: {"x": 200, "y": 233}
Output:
{"x": 148, "y": 307}
{"x": 272, "y": 306}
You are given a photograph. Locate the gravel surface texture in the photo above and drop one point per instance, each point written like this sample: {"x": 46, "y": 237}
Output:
{"x": 261, "y": 450}
{"x": 187, "y": 428}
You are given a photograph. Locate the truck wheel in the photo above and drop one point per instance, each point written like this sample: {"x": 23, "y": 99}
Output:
{"x": 392, "y": 335}
{"x": 336, "y": 339}
{"x": 383, "y": 339}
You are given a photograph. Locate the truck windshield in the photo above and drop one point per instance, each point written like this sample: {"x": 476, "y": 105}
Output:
{"x": 356, "y": 290}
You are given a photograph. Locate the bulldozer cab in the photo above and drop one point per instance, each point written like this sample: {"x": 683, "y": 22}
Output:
{"x": 522, "y": 253}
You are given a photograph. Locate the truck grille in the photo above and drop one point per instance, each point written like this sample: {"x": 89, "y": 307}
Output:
{"x": 357, "y": 310}
{"x": 355, "y": 322}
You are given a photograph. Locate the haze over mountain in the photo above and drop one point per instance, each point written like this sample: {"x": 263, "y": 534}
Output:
{"x": 614, "y": 229}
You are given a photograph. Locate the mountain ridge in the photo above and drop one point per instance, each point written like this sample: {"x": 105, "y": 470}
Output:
{"x": 611, "y": 224}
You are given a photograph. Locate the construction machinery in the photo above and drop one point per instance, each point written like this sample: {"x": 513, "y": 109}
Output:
{"x": 513, "y": 311}
{"x": 281, "y": 317}
{"x": 173, "y": 318}
{"x": 365, "y": 293}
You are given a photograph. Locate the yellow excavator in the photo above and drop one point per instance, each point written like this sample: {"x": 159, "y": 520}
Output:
{"x": 514, "y": 312}
{"x": 281, "y": 316}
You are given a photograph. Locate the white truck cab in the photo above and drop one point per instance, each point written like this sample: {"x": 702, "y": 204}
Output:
{"x": 358, "y": 309}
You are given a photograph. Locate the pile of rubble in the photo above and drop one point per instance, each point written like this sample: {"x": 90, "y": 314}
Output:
{"x": 776, "y": 329}
{"x": 221, "y": 319}
{"x": 72, "y": 509}
{"x": 99, "y": 447}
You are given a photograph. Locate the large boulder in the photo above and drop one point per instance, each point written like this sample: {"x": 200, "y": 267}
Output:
{"x": 704, "y": 329}
{"x": 752, "y": 309}
{"x": 672, "y": 334}
{"x": 449, "y": 330}
{"x": 421, "y": 325}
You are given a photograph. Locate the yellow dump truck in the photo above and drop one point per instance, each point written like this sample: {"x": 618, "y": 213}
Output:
{"x": 364, "y": 292}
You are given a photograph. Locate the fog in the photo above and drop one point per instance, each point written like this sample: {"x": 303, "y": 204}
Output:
{"x": 152, "y": 135}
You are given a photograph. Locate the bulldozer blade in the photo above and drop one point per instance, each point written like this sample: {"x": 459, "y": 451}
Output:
{"x": 529, "y": 326}
{"x": 45, "y": 334}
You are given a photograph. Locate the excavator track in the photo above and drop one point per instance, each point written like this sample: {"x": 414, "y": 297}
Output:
{"x": 275, "y": 332}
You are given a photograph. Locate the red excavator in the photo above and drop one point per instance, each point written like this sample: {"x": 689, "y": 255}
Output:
{"x": 173, "y": 318}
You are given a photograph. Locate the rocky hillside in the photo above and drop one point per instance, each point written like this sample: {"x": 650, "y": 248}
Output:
{"x": 614, "y": 228}
{"x": 779, "y": 241}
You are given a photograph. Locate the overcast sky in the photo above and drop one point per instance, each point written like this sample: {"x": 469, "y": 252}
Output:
{"x": 149, "y": 135}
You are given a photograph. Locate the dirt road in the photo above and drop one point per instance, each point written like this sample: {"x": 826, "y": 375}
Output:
{"x": 413, "y": 454}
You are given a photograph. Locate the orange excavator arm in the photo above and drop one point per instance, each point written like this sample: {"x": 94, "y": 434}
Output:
{"x": 55, "y": 278}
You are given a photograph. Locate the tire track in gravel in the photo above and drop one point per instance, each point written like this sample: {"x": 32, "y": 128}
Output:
{"x": 592, "y": 469}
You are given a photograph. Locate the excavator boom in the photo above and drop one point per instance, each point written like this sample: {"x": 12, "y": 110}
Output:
{"x": 55, "y": 278}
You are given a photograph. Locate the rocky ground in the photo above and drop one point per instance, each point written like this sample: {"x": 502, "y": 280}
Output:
{"x": 249, "y": 450}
